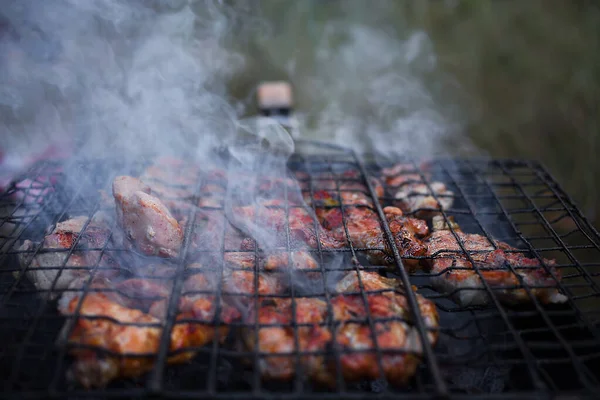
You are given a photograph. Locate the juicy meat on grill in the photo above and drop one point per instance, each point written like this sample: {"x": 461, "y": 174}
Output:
{"x": 351, "y": 189}
{"x": 93, "y": 369}
{"x": 396, "y": 336}
{"x": 213, "y": 231}
{"x": 365, "y": 231}
{"x": 241, "y": 277}
{"x": 408, "y": 234}
{"x": 279, "y": 341}
{"x": 414, "y": 195}
{"x": 453, "y": 272}
{"x": 46, "y": 266}
{"x": 269, "y": 226}
{"x": 148, "y": 225}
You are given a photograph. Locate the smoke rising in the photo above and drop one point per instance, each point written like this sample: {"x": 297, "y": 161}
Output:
{"x": 115, "y": 76}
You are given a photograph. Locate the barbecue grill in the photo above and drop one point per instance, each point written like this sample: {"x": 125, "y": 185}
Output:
{"x": 494, "y": 350}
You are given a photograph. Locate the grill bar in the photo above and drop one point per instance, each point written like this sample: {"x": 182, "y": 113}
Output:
{"x": 440, "y": 385}
{"x": 155, "y": 378}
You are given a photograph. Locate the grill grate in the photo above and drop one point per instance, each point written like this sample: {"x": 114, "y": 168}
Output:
{"x": 493, "y": 350}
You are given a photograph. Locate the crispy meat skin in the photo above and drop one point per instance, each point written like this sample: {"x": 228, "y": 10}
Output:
{"x": 93, "y": 369}
{"x": 365, "y": 231}
{"x": 395, "y": 334}
{"x": 352, "y": 332}
{"x": 148, "y": 224}
{"x": 407, "y": 186}
{"x": 64, "y": 236}
{"x": 447, "y": 256}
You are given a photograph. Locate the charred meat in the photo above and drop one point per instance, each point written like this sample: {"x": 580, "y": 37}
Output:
{"x": 455, "y": 272}
{"x": 365, "y": 231}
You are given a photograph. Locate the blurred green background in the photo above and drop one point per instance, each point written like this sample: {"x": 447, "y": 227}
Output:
{"x": 512, "y": 79}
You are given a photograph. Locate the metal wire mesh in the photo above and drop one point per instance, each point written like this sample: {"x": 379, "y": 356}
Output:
{"x": 493, "y": 350}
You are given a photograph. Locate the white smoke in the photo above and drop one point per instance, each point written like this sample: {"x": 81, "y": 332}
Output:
{"x": 120, "y": 76}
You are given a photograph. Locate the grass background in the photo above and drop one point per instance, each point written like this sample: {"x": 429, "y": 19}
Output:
{"x": 520, "y": 77}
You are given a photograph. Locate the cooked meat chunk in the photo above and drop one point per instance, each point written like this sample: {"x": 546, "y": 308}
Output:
{"x": 106, "y": 331}
{"x": 412, "y": 192}
{"x": 279, "y": 340}
{"x": 301, "y": 261}
{"x": 240, "y": 276}
{"x": 365, "y": 231}
{"x": 148, "y": 225}
{"x": 93, "y": 369}
{"x": 453, "y": 272}
{"x": 408, "y": 234}
{"x": 269, "y": 226}
{"x": 213, "y": 231}
{"x": 396, "y": 336}
{"x": 46, "y": 266}
{"x": 273, "y": 276}
{"x": 351, "y": 189}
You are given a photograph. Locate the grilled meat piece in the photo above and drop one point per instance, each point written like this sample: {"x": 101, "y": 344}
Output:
{"x": 352, "y": 190}
{"x": 148, "y": 225}
{"x": 268, "y": 226}
{"x": 408, "y": 234}
{"x": 273, "y": 275}
{"x": 396, "y": 336}
{"x": 93, "y": 369}
{"x": 365, "y": 231}
{"x": 453, "y": 272}
{"x": 239, "y": 274}
{"x": 412, "y": 192}
{"x": 279, "y": 340}
{"x": 213, "y": 231}
{"x": 46, "y": 266}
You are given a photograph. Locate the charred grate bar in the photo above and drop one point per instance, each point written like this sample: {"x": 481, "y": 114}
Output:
{"x": 492, "y": 350}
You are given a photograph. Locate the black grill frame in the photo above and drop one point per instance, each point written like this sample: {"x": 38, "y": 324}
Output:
{"x": 432, "y": 378}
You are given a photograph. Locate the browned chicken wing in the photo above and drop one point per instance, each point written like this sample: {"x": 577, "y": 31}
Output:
{"x": 148, "y": 225}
